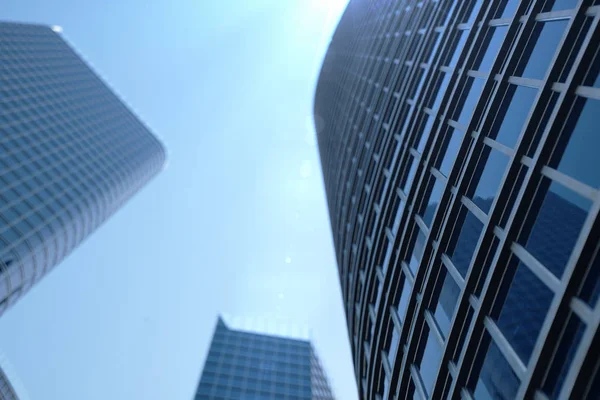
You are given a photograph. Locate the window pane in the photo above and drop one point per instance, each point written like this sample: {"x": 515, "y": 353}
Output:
{"x": 459, "y": 47}
{"x": 430, "y": 362}
{"x": 434, "y": 200}
{"x": 444, "y": 310}
{"x": 556, "y": 228}
{"x": 475, "y": 86}
{"x": 441, "y": 85}
{"x": 556, "y": 5}
{"x": 447, "y": 156}
{"x": 590, "y": 289}
{"x": 521, "y": 99}
{"x": 564, "y": 353}
{"x": 393, "y": 345}
{"x": 523, "y": 310}
{"x": 402, "y": 302}
{"x": 495, "y": 35}
{"x": 580, "y": 157}
{"x": 411, "y": 173}
{"x": 492, "y": 170}
{"x": 497, "y": 380}
{"x": 417, "y": 253}
{"x": 548, "y": 36}
{"x": 470, "y": 230}
{"x": 425, "y": 133}
{"x": 508, "y": 10}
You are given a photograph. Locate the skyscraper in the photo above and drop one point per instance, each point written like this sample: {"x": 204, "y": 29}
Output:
{"x": 71, "y": 153}
{"x": 458, "y": 143}
{"x": 10, "y": 385}
{"x": 253, "y": 366}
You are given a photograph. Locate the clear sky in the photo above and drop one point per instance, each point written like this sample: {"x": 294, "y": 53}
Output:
{"x": 237, "y": 223}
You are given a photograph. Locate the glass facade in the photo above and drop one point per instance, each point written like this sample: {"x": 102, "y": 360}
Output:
{"x": 247, "y": 365}
{"x": 71, "y": 153}
{"x": 480, "y": 119}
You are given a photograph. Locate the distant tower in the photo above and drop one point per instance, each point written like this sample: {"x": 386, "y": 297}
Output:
{"x": 248, "y": 365}
{"x": 71, "y": 153}
{"x": 459, "y": 144}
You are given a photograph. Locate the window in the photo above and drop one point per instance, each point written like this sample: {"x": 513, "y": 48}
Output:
{"x": 543, "y": 43}
{"x": 418, "y": 249}
{"x": 447, "y": 300}
{"x": 556, "y": 218}
{"x": 437, "y": 188}
{"x": 490, "y": 168}
{"x": 576, "y": 153}
{"x": 450, "y": 148}
{"x": 517, "y": 102}
{"x": 467, "y": 231}
{"x": 430, "y": 362}
{"x": 523, "y": 310}
{"x": 442, "y": 82}
{"x": 497, "y": 380}
{"x": 494, "y": 38}
{"x": 563, "y": 356}
{"x": 402, "y": 299}
{"x": 474, "y": 86}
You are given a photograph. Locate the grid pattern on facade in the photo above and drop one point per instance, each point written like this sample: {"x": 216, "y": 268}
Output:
{"x": 245, "y": 365}
{"x": 71, "y": 153}
{"x": 458, "y": 146}
{"x": 6, "y": 390}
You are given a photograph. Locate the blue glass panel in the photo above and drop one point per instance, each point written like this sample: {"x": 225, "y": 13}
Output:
{"x": 417, "y": 253}
{"x": 556, "y": 228}
{"x": 430, "y": 362}
{"x": 523, "y": 311}
{"x": 497, "y": 37}
{"x": 463, "y": 35}
{"x": 497, "y": 380}
{"x": 491, "y": 177}
{"x": 444, "y": 80}
{"x": 434, "y": 201}
{"x": 557, "y": 5}
{"x": 550, "y": 34}
{"x": 521, "y": 100}
{"x": 475, "y": 86}
{"x": 451, "y": 151}
{"x": 402, "y": 302}
{"x": 470, "y": 230}
{"x": 446, "y": 304}
{"x": 580, "y": 157}
{"x": 411, "y": 174}
{"x": 509, "y": 9}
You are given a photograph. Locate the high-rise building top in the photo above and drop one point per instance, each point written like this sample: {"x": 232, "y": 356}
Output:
{"x": 247, "y": 365}
{"x": 10, "y": 386}
{"x": 71, "y": 153}
{"x": 458, "y": 142}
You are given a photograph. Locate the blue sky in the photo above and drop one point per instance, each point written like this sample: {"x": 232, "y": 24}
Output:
{"x": 237, "y": 223}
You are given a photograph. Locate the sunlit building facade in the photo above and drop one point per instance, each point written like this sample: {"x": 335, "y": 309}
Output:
{"x": 71, "y": 153}
{"x": 458, "y": 143}
{"x": 249, "y": 365}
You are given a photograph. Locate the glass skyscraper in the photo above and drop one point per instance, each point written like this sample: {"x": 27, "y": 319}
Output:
{"x": 243, "y": 365}
{"x": 71, "y": 153}
{"x": 459, "y": 144}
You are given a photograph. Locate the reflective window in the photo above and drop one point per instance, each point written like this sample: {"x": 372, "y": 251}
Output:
{"x": 508, "y": 10}
{"x": 446, "y": 304}
{"x": 425, "y": 133}
{"x": 434, "y": 200}
{"x": 462, "y": 39}
{"x": 402, "y": 300}
{"x": 556, "y": 5}
{"x": 559, "y": 219}
{"x": 417, "y": 253}
{"x": 541, "y": 124}
{"x": 580, "y": 156}
{"x": 516, "y": 187}
{"x": 590, "y": 288}
{"x": 393, "y": 344}
{"x": 430, "y": 362}
{"x": 495, "y": 35}
{"x": 469, "y": 229}
{"x": 547, "y": 36}
{"x": 497, "y": 380}
{"x": 519, "y": 100}
{"x": 411, "y": 173}
{"x": 491, "y": 165}
{"x": 448, "y": 154}
{"x": 563, "y": 356}
{"x": 441, "y": 85}
{"x": 475, "y": 86}
{"x": 523, "y": 311}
